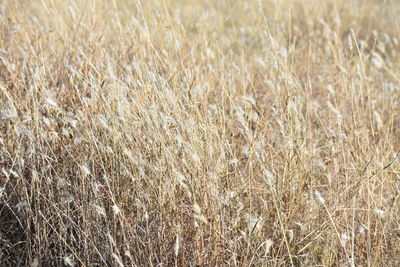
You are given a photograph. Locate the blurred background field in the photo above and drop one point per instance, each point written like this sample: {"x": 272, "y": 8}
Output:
{"x": 199, "y": 133}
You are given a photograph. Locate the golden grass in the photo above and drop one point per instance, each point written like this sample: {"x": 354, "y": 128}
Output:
{"x": 199, "y": 133}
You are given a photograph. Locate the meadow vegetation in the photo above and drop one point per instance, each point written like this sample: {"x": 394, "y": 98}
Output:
{"x": 199, "y": 133}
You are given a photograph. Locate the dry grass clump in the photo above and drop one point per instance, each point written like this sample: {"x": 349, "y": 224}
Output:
{"x": 199, "y": 133}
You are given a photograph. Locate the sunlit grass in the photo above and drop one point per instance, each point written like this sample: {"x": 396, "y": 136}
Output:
{"x": 199, "y": 133}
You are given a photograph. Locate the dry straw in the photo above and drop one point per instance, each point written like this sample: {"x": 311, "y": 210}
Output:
{"x": 199, "y": 133}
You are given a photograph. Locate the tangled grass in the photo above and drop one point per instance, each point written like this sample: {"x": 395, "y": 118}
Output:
{"x": 199, "y": 133}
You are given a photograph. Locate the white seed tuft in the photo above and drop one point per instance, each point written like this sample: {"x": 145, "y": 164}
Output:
{"x": 7, "y": 114}
{"x": 69, "y": 261}
{"x": 118, "y": 260}
{"x": 269, "y": 177}
{"x": 116, "y": 210}
{"x": 100, "y": 210}
{"x": 176, "y": 247}
{"x": 377, "y": 60}
{"x": 344, "y": 239}
{"x": 85, "y": 170}
{"x": 319, "y": 197}
{"x": 379, "y": 212}
{"x": 268, "y": 245}
{"x": 197, "y": 209}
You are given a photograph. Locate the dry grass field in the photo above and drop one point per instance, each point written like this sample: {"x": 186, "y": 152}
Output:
{"x": 199, "y": 133}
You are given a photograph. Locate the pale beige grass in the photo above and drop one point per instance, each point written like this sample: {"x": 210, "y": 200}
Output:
{"x": 199, "y": 133}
